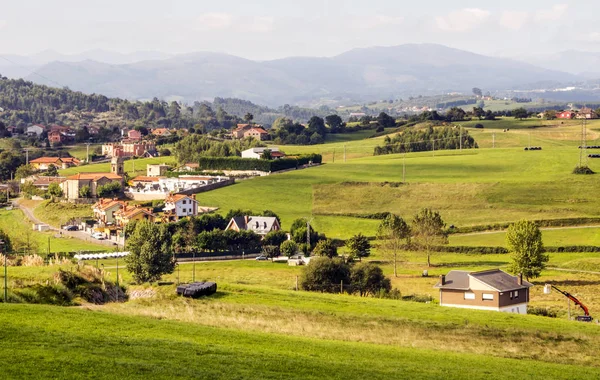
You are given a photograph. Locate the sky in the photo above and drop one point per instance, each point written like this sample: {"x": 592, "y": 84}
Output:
{"x": 270, "y": 29}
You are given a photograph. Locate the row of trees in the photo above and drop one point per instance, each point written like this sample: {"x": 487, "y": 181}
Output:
{"x": 194, "y": 146}
{"x": 427, "y": 139}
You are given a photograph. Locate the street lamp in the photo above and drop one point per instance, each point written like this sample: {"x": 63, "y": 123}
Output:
{"x": 5, "y": 272}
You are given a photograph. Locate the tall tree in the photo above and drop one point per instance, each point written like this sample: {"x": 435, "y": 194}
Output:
{"x": 325, "y": 248}
{"x": 393, "y": 233}
{"x": 428, "y": 231}
{"x": 520, "y": 113}
{"x": 386, "y": 120}
{"x": 359, "y": 246}
{"x": 150, "y": 255}
{"x": 524, "y": 239}
{"x": 248, "y": 117}
{"x": 477, "y": 92}
{"x": 335, "y": 123}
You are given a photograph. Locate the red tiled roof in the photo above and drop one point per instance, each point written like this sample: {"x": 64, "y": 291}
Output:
{"x": 258, "y": 130}
{"x": 45, "y": 160}
{"x": 94, "y": 176}
{"x": 174, "y": 198}
{"x": 143, "y": 178}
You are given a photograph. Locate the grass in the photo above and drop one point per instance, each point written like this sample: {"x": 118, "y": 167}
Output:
{"x": 58, "y": 342}
{"x": 58, "y": 214}
{"x": 551, "y": 238}
{"x": 22, "y": 236}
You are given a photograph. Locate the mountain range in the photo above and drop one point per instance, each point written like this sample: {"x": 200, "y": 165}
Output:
{"x": 357, "y": 75}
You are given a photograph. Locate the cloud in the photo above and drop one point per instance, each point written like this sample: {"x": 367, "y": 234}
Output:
{"x": 214, "y": 21}
{"x": 221, "y": 21}
{"x": 378, "y": 21}
{"x": 260, "y": 24}
{"x": 462, "y": 20}
{"x": 555, "y": 13}
{"x": 513, "y": 20}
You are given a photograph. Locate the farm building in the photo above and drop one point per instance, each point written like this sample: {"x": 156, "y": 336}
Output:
{"x": 486, "y": 290}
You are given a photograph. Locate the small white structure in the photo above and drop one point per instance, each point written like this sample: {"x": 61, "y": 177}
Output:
{"x": 257, "y": 152}
{"x": 36, "y": 129}
{"x": 156, "y": 170}
{"x": 261, "y": 225}
{"x": 180, "y": 206}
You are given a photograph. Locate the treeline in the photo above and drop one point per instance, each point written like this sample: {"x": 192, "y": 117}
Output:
{"x": 194, "y": 147}
{"x": 421, "y": 140}
{"x": 238, "y": 163}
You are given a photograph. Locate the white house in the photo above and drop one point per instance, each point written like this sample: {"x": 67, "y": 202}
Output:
{"x": 257, "y": 153}
{"x": 261, "y": 225}
{"x": 180, "y": 206}
{"x": 36, "y": 129}
{"x": 158, "y": 170}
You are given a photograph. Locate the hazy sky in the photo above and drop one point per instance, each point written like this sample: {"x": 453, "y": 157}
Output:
{"x": 265, "y": 29}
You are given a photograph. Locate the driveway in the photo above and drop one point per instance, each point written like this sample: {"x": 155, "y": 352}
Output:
{"x": 75, "y": 234}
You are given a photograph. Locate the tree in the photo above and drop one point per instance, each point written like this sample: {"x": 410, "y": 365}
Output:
{"x": 385, "y": 120}
{"x": 275, "y": 238}
{"x": 478, "y": 112}
{"x": 7, "y": 247}
{"x": 150, "y": 255}
{"x": 325, "y": 248}
{"x": 477, "y": 92}
{"x": 359, "y": 246}
{"x": 368, "y": 279}
{"x": 24, "y": 171}
{"x": 317, "y": 124}
{"x": 266, "y": 154}
{"x": 392, "y": 233}
{"x": 334, "y": 122}
{"x": 520, "y": 113}
{"x": 428, "y": 230}
{"x": 524, "y": 240}
{"x": 109, "y": 190}
{"x": 550, "y": 114}
{"x": 54, "y": 190}
{"x": 52, "y": 171}
{"x": 271, "y": 214}
{"x": 316, "y": 138}
{"x": 248, "y": 117}
{"x": 324, "y": 274}
{"x": 85, "y": 191}
{"x": 288, "y": 248}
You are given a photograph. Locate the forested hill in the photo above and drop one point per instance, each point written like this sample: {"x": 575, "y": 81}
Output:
{"x": 23, "y": 103}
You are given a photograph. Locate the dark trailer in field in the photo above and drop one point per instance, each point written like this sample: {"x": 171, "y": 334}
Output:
{"x": 197, "y": 289}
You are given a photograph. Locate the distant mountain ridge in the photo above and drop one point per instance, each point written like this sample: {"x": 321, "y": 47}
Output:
{"x": 357, "y": 75}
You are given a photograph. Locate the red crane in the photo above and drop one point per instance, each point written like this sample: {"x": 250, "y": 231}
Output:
{"x": 583, "y": 318}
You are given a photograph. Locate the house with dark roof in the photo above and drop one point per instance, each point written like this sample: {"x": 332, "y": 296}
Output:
{"x": 261, "y": 225}
{"x": 493, "y": 290}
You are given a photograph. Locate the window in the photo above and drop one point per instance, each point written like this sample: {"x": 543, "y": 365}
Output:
{"x": 469, "y": 296}
{"x": 516, "y": 294}
{"x": 487, "y": 297}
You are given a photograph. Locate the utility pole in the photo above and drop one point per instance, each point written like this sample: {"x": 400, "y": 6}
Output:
{"x": 87, "y": 157}
{"x": 194, "y": 266}
{"x": 529, "y": 140}
{"x": 433, "y": 142}
{"x": 460, "y": 126}
{"x": 344, "y": 153}
{"x": 334, "y": 155}
{"x": 48, "y": 246}
{"x": 5, "y": 272}
{"x": 494, "y": 140}
{"x": 117, "y": 278}
{"x": 26, "y": 156}
{"x": 308, "y": 234}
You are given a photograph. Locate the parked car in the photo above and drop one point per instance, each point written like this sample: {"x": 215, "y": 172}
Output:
{"x": 71, "y": 228}
{"x": 98, "y": 235}
{"x": 262, "y": 258}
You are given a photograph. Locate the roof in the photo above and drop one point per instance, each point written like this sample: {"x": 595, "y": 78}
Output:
{"x": 499, "y": 280}
{"x": 43, "y": 180}
{"x": 192, "y": 165}
{"x": 259, "y": 224}
{"x": 45, "y": 160}
{"x": 160, "y": 131}
{"x": 456, "y": 279}
{"x": 277, "y": 154}
{"x": 257, "y": 130}
{"x": 259, "y": 150}
{"x": 174, "y": 198}
{"x": 495, "y": 278}
{"x": 106, "y": 203}
{"x": 94, "y": 176}
{"x": 129, "y": 211}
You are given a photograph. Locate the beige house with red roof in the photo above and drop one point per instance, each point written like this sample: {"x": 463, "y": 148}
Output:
{"x": 43, "y": 163}
{"x": 159, "y": 132}
{"x": 179, "y": 206}
{"x": 105, "y": 209}
{"x": 74, "y": 183}
{"x": 130, "y": 213}
{"x": 257, "y": 133}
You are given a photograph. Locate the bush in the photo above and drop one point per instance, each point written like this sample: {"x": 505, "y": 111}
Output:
{"x": 325, "y": 248}
{"x": 289, "y": 248}
{"x": 85, "y": 192}
{"x": 479, "y": 126}
{"x": 109, "y": 190}
{"x": 324, "y": 274}
{"x": 368, "y": 279}
{"x": 542, "y": 311}
{"x": 583, "y": 170}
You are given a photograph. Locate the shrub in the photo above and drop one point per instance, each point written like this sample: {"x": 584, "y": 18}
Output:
{"x": 325, "y": 248}
{"x": 324, "y": 274}
{"x": 368, "y": 279}
{"x": 479, "y": 126}
{"x": 109, "y": 190}
{"x": 542, "y": 311}
{"x": 288, "y": 248}
{"x": 583, "y": 170}
{"x": 85, "y": 192}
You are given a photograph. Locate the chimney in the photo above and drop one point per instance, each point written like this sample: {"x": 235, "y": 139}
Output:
{"x": 520, "y": 279}
{"x": 443, "y": 279}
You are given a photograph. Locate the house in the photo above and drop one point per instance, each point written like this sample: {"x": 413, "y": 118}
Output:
{"x": 128, "y": 149}
{"x": 486, "y": 290}
{"x": 161, "y": 132}
{"x": 586, "y": 113}
{"x": 238, "y": 132}
{"x": 56, "y": 137}
{"x": 42, "y": 182}
{"x": 257, "y": 133}
{"x": 261, "y": 225}
{"x": 130, "y": 213}
{"x": 73, "y": 184}
{"x": 156, "y": 170}
{"x": 134, "y": 135}
{"x": 190, "y": 167}
{"x": 43, "y": 163}
{"x": 257, "y": 153}
{"x": 105, "y": 209}
{"x": 144, "y": 181}
{"x": 179, "y": 206}
{"x": 35, "y": 130}
{"x": 565, "y": 115}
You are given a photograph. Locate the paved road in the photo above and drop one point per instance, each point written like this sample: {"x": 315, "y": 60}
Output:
{"x": 75, "y": 234}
